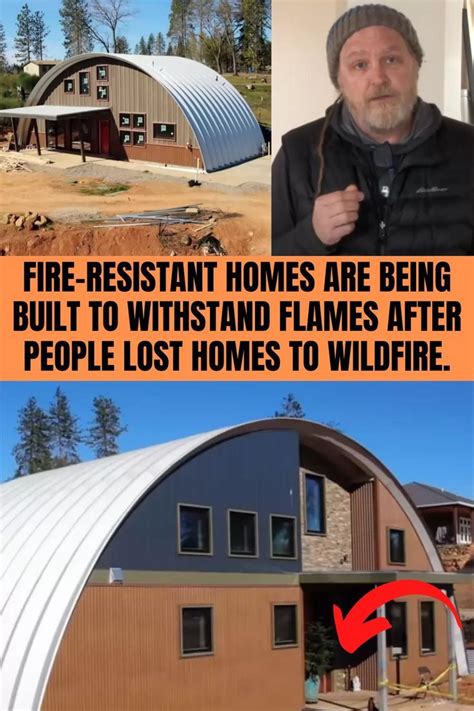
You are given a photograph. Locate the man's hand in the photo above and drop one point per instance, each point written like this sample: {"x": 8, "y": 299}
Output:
{"x": 335, "y": 214}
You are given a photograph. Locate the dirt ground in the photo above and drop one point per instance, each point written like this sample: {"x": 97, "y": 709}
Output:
{"x": 242, "y": 214}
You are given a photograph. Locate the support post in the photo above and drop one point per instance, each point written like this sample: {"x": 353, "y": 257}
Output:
{"x": 382, "y": 664}
{"x": 35, "y": 128}
{"x": 453, "y": 684}
{"x": 15, "y": 137}
{"x": 81, "y": 134}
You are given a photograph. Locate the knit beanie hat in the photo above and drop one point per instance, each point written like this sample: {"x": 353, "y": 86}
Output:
{"x": 357, "y": 18}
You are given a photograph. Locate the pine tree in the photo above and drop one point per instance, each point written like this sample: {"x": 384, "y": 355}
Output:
{"x": 3, "y": 50}
{"x": 160, "y": 44}
{"x": 142, "y": 46}
{"x": 65, "y": 432}
{"x": 181, "y": 27}
{"x": 76, "y": 23}
{"x": 150, "y": 45}
{"x": 290, "y": 407}
{"x": 24, "y": 35}
{"x": 40, "y": 32}
{"x": 170, "y": 50}
{"x": 253, "y": 17}
{"x": 106, "y": 428}
{"x": 122, "y": 46}
{"x": 33, "y": 451}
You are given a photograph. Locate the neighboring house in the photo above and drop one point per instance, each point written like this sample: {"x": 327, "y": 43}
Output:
{"x": 39, "y": 67}
{"x": 180, "y": 576}
{"x": 168, "y": 110}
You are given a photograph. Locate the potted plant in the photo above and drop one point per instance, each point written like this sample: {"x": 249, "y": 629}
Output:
{"x": 319, "y": 652}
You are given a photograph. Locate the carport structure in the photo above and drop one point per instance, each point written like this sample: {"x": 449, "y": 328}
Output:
{"x": 52, "y": 114}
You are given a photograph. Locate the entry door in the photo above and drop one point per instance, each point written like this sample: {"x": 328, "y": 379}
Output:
{"x": 104, "y": 137}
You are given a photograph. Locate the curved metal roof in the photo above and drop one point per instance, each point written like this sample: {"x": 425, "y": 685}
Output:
{"x": 225, "y": 127}
{"x": 56, "y": 524}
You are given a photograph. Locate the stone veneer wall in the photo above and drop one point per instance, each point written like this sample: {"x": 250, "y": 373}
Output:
{"x": 327, "y": 551}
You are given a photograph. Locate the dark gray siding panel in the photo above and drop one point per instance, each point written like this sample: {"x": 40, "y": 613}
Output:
{"x": 255, "y": 472}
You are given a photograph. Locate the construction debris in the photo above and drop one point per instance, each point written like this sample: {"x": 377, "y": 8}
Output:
{"x": 10, "y": 164}
{"x": 27, "y": 220}
{"x": 188, "y": 214}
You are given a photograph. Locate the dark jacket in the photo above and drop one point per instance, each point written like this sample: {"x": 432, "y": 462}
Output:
{"x": 430, "y": 209}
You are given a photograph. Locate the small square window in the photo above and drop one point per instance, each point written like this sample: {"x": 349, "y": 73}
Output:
{"x": 314, "y": 498}
{"x": 125, "y": 120}
{"x": 194, "y": 529}
{"x": 427, "y": 627}
{"x": 139, "y": 121}
{"x": 102, "y": 73}
{"x": 102, "y": 93}
{"x": 196, "y": 631}
{"x": 397, "y": 634}
{"x": 283, "y": 536}
{"x": 69, "y": 86}
{"x": 84, "y": 83}
{"x": 396, "y": 546}
{"x": 242, "y": 533}
{"x": 285, "y": 626}
{"x": 126, "y": 138}
{"x": 139, "y": 138}
{"x": 165, "y": 131}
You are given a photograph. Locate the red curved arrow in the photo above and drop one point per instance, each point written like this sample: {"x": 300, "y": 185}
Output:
{"x": 354, "y": 629}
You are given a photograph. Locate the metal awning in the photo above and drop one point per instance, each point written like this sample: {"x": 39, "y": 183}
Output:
{"x": 51, "y": 113}
{"x": 377, "y": 577}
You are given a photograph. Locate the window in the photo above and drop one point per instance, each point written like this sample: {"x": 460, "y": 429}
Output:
{"x": 165, "y": 131}
{"x": 139, "y": 121}
{"x": 102, "y": 73}
{"x": 283, "y": 536}
{"x": 102, "y": 93}
{"x": 139, "y": 138}
{"x": 242, "y": 533}
{"x": 124, "y": 120}
{"x": 84, "y": 83}
{"x": 396, "y": 546}
{"x": 196, "y": 630}
{"x": 194, "y": 529}
{"x": 69, "y": 86}
{"x": 285, "y": 626}
{"x": 314, "y": 497}
{"x": 427, "y": 627}
{"x": 465, "y": 535}
{"x": 126, "y": 138}
{"x": 397, "y": 635}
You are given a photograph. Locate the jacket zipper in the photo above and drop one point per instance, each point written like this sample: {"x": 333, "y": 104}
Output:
{"x": 383, "y": 229}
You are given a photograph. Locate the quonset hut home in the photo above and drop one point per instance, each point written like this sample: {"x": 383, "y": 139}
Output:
{"x": 162, "y": 109}
{"x": 181, "y": 575}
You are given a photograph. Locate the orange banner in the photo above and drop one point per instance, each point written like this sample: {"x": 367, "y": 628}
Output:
{"x": 230, "y": 319}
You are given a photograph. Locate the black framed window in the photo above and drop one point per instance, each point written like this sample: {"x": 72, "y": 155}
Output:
{"x": 396, "y": 546}
{"x": 315, "y": 504}
{"x": 102, "y": 93}
{"x": 397, "y": 635}
{"x": 285, "y": 626}
{"x": 242, "y": 533}
{"x": 166, "y": 131}
{"x": 283, "y": 537}
{"x": 102, "y": 73}
{"x": 427, "y": 627}
{"x": 139, "y": 121}
{"x": 125, "y": 120}
{"x": 68, "y": 86}
{"x": 139, "y": 138}
{"x": 194, "y": 529}
{"x": 84, "y": 83}
{"x": 126, "y": 138}
{"x": 196, "y": 630}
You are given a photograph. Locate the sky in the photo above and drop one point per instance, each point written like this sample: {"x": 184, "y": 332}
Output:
{"x": 151, "y": 17}
{"x": 421, "y": 431}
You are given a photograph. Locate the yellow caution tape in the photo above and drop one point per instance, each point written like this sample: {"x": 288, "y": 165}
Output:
{"x": 426, "y": 687}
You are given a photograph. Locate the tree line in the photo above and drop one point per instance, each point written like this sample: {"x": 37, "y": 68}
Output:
{"x": 49, "y": 439}
{"x": 228, "y": 35}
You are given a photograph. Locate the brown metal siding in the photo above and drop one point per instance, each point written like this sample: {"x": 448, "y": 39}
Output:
{"x": 174, "y": 155}
{"x": 363, "y": 528}
{"x": 121, "y": 651}
{"x": 367, "y": 673}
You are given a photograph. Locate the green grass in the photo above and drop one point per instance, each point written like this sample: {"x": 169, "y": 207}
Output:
{"x": 259, "y": 98}
{"x": 102, "y": 189}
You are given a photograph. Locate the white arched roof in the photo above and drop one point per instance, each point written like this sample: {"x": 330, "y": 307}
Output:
{"x": 225, "y": 127}
{"x": 56, "y": 524}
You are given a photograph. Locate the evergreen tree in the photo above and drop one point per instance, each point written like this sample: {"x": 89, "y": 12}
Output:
{"x": 142, "y": 46}
{"x": 65, "y": 432}
{"x": 76, "y": 23}
{"x": 24, "y": 35}
{"x": 106, "y": 428}
{"x": 40, "y": 32}
{"x": 253, "y": 18}
{"x": 290, "y": 407}
{"x": 33, "y": 451}
{"x": 150, "y": 45}
{"x": 160, "y": 44}
{"x": 3, "y": 50}
{"x": 170, "y": 50}
{"x": 181, "y": 26}
{"x": 122, "y": 46}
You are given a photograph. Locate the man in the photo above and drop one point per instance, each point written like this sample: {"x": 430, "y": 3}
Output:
{"x": 384, "y": 172}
